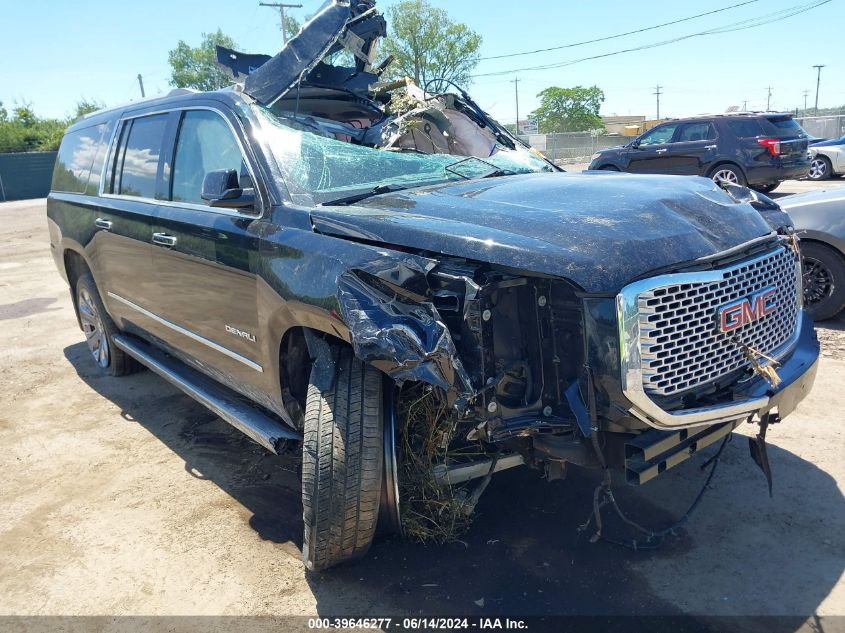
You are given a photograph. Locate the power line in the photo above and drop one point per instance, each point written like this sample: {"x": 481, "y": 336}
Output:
{"x": 738, "y": 26}
{"x": 612, "y": 37}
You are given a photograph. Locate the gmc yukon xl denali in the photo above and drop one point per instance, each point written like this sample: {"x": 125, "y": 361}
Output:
{"x": 378, "y": 277}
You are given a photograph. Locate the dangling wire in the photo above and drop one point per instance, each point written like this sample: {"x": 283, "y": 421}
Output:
{"x": 603, "y": 495}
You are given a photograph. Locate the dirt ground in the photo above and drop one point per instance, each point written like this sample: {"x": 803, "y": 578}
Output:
{"x": 122, "y": 496}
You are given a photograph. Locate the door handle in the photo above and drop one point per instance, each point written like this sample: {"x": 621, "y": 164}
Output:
{"x": 710, "y": 146}
{"x": 164, "y": 239}
{"x": 102, "y": 223}
{"x": 662, "y": 151}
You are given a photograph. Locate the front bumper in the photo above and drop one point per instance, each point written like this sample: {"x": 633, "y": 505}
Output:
{"x": 651, "y": 453}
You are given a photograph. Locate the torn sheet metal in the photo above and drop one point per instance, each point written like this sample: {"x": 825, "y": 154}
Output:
{"x": 400, "y": 334}
{"x": 337, "y": 24}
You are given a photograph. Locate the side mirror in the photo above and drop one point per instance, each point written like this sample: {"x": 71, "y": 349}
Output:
{"x": 635, "y": 144}
{"x": 222, "y": 190}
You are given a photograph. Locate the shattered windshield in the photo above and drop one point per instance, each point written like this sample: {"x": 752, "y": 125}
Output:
{"x": 327, "y": 168}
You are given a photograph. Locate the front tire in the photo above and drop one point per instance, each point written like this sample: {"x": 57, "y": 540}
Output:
{"x": 342, "y": 461}
{"x": 820, "y": 168}
{"x": 99, "y": 329}
{"x": 727, "y": 174}
{"x": 824, "y": 280}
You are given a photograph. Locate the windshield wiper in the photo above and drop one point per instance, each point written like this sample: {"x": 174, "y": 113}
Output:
{"x": 492, "y": 173}
{"x": 367, "y": 194}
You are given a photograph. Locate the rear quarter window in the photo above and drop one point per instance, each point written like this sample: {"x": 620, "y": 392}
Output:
{"x": 745, "y": 128}
{"x": 77, "y": 153}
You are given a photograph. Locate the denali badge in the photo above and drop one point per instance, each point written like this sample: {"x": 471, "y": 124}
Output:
{"x": 241, "y": 333}
{"x": 744, "y": 311}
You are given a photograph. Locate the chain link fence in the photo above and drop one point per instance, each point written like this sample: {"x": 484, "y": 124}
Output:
{"x": 565, "y": 148}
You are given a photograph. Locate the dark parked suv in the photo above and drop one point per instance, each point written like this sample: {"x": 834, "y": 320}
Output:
{"x": 756, "y": 149}
{"x": 388, "y": 286}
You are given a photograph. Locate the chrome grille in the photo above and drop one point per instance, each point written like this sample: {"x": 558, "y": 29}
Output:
{"x": 681, "y": 345}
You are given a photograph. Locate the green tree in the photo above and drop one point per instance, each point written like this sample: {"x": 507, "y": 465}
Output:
{"x": 84, "y": 106}
{"x": 292, "y": 26}
{"x": 25, "y": 115}
{"x": 25, "y": 131}
{"x": 569, "y": 109}
{"x": 426, "y": 44}
{"x": 196, "y": 67}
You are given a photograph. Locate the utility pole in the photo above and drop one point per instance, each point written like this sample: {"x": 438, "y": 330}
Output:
{"x": 806, "y": 92}
{"x": 769, "y": 100}
{"x": 515, "y": 83}
{"x": 141, "y": 83}
{"x": 281, "y": 6}
{"x": 657, "y": 92}
{"x": 745, "y": 105}
{"x": 818, "y": 68}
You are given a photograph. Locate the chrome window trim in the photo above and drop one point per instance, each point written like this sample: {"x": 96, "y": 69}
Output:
{"x": 627, "y": 314}
{"x": 170, "y": 203}
{"x": 189, "y": 333}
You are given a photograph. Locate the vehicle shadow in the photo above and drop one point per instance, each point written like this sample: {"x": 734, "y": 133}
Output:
{"x": 525, "y": 556}
{"x": 836, "y": 323}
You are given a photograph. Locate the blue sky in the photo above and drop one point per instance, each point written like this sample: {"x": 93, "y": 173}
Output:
{"x": 56, "y": 52}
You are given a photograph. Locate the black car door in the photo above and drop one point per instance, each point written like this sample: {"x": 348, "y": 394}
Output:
{"x": 649, "y": 154}
{"x": 122, "y": 254}
{"x": 695, "y": 147}
{"x": 204, "y": 257}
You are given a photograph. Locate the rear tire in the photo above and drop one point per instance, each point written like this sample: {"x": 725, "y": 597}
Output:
{"x": 820, "y": 168}
{"x": 824, "y": 280}
{"x": 342, "y": 462}
{"x": 728, "y": 174}
{"x": 99, "y": 329}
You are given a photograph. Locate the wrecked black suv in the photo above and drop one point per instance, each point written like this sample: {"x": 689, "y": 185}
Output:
{"x": 384, "y": 281}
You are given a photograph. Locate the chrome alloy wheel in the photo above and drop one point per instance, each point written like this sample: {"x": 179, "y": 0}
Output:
{"x": 818, "y": 169}
{"x": 725, "y": 176}
{"x": 92, "y": 327}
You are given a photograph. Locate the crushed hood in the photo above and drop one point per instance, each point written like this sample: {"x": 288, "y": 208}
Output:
{"x": 338, "y": 24}
{"x": 598, "y": 230}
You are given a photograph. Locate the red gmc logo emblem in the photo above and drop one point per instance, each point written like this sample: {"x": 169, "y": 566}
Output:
{"x": 745, "y": 311}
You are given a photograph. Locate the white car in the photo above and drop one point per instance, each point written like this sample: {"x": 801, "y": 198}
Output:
{"x": 828, "y": 159}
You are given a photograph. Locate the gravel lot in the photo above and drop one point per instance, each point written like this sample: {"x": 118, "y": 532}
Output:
{"x": 122, "y": 496}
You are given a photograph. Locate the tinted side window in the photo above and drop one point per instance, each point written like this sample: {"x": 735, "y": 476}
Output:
{"x": 697, "y": 132}
{"x": 659, "y": 135}
{"x": 75, "y": 158}
{"x": 138, "y": 157}
{"x": 93, "y": 187}
{"x": 205, "y": 144}
{"x": 745, "y": 128}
